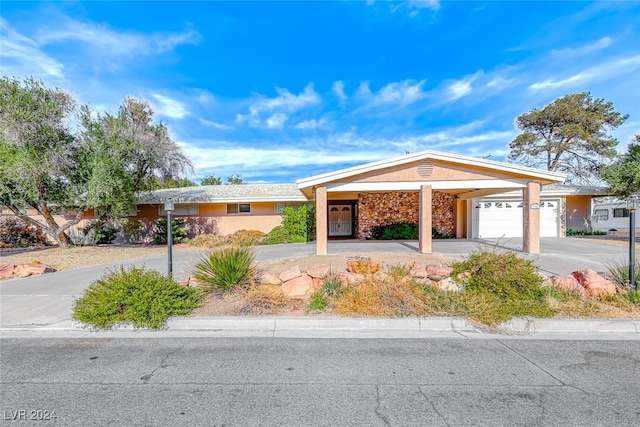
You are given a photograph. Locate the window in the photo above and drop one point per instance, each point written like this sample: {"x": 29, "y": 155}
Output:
{"x": 234, "y": 208}
{"x": 507, "y": 205}
{"x": 621, "y": 213}
{"x": 180, "y": 210}
{"x": 499, "y": 205}
{"x": 601, "y": 214}
{"x": 279, "y": 206}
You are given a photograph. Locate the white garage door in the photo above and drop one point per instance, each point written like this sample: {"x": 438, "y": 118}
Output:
{"x": 497, "y": 219}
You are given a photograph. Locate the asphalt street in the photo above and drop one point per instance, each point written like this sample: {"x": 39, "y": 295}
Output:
{"x": 319, "y": 382}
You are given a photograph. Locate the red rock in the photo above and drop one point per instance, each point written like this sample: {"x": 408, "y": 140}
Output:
{"x": 291, "y": 273}
{"x": 298, "y": 287}
{"x": 568, "y": 283}
{"x": 317, "y": 283}
{"x": 6, "y": 271}
{"x": 26, "y": 270}
{"x": 318, "y": 271}
{"x": 594, "y": 283}
{"x": 268, "y": 278}
{"x": 351, "y": 278}
{"x": 416, "y": 269}
{"x": 438, "y": 270}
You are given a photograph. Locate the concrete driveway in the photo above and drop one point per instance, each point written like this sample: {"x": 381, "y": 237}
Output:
{"x": 47, "y": 300}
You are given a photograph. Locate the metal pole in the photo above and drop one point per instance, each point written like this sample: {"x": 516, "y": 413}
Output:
{"x": 632, "y": 248}
{"x": 169, "y": 243}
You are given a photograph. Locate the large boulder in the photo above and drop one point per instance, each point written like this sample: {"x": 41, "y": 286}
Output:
{"x": 351, "y": 278}
{"x": 318, "y": 271}
{"x": 568, "y": 283}
{"x": 6, "y": 271}
{"x": 290, "y": 274}
{"x": 26, "y": 270}
{"x": 594, "y": 283}
{"x": 299, "y": 287}
{"x": 268, "y": 278}
{"x": 417, "y": 270}
{"x": 438, "y": 270}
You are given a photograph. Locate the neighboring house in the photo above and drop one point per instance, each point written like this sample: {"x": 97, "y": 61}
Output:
{"x": 464, "y": 196}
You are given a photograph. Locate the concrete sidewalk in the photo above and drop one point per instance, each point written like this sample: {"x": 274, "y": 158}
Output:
{"x": 45, "y": 302}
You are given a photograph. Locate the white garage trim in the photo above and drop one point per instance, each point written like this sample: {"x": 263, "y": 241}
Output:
{"x": 503, "y": 218}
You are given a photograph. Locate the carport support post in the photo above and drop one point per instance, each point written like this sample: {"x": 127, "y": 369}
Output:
{"x": 425, "y": 223}
{"x": 531, "y": 218}
{"x": 321, "y": 221}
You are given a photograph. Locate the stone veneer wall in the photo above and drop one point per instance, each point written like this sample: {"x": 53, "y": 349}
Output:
{"x": 387, "y": 208}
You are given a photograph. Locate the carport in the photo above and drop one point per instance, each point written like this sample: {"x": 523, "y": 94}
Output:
{"x": 349, "y": 201}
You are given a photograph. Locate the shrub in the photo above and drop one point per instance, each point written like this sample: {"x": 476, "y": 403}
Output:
{"x": 178, "y": 231}
{"x": 263, "y": 299}
{"x": 332, "y": 286}
{"x": 18, "y": 234}
{"x": 206, "y": 241}
{"x": 142, "y": 297}
{"x": 571, "y": 232}
{"x": 618, "y": 271}
{"x": 276, "y": 236}
{"x": 318, "y": 302}
{"x": 298, "y": 223}
{"x": 499, "y": 286}
{"x": 245, "y": 237}
{"x": 98, "y": 232}
{"x": 404, "y": 231}
{"x": 226, "y": 267}
{"x": 132, "y": 228}
{"x": 388, "y": 298}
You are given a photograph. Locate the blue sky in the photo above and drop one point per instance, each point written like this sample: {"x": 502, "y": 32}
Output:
{"x": 277, "y": 91}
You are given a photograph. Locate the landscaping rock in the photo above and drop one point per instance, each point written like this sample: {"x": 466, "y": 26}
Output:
{"x": 299, "y": 287}
{"x": 351, "y": 278}
{"x": 449, "y": 285}
{"x": 594, "y": 283}
{"x": 568, "y": 283}
{"x": 546, "y": 281}
{"x": 268, "y": 278}
{"x": 416, "y": 269}
{"x": 290, "y": 274}
{"x": 438, "y": 270}
{"x": 6, "y": 271}
{"x": 318, "y": 271}
{"x": 26, "y": 270}
{"x": 363, "y": 267}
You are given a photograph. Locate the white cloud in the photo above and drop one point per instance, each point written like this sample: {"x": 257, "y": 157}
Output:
{"x": 276, "y": 107}
{"x": 21, "y": 56}
{"x": 398, "y": 93}
{"x": 311, "y": 124}
{"x": 277, "y": 121}
{"x": 416, "y": 5}
{"x": 600, "y": 44}
{"x": 605, "y": 72}
{"x": 215, "y": 124}
{"x": 338, "y": 89}
{"x": 113, "y": 42}
{"x": 460, "y": 88}
{"x": 169, "y": 107}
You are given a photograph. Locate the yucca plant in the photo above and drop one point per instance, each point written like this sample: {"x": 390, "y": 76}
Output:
{"x": 618, "y": 271}
{"x": 226, "y": 267}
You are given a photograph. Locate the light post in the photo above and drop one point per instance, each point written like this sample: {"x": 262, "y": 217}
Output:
{"x": 168, "y": 206}
{"x": 632, "y": 205}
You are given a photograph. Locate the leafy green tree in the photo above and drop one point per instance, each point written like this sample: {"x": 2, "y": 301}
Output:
{"x": 104, "y": 165}
{"x": 170, "y": 182}
{"x": 623, "y": 176}
{"x": 569, "y": 135}
{"x": 211, "y": 180}
{"x": 235, "y": 180}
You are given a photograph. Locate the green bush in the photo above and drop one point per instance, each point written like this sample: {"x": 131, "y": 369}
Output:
{"x": 178, "y": 231}
{"x": 499, "y": 286}
{"x": 226, "y": 267}
{"x": 276, "y": 236}
{"x": 298, "y": 223}
{"x": 142, "y": 297}
{"x": 318, "y": 302}
{"x": 98, "y": 232}
{"x": 18, "y": 234}
{"x": 332, "y": 286}
{"x": 403, "y": 231}
{"x": 132, "y": 228}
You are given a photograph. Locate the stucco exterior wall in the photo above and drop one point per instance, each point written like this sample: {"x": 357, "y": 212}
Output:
{"x": 387, "y": 208}
{"x": 578, "y": 212}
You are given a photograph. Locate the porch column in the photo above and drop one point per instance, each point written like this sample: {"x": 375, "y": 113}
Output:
{"x": 321, "y": 221}
{"x": 459, "y": 211}
{"x": 531, "y": 218}
{"x": 425, "y": 222}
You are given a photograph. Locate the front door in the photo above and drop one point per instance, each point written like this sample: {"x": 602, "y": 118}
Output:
{"x": 340, "y": 220}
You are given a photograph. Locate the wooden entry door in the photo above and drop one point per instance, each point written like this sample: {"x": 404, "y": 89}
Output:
{"x": 340, "y": 220}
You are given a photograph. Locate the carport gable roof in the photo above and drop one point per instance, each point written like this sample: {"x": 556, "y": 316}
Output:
{"x": 515, "y": 173}
{"x": 245, "y": 193}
